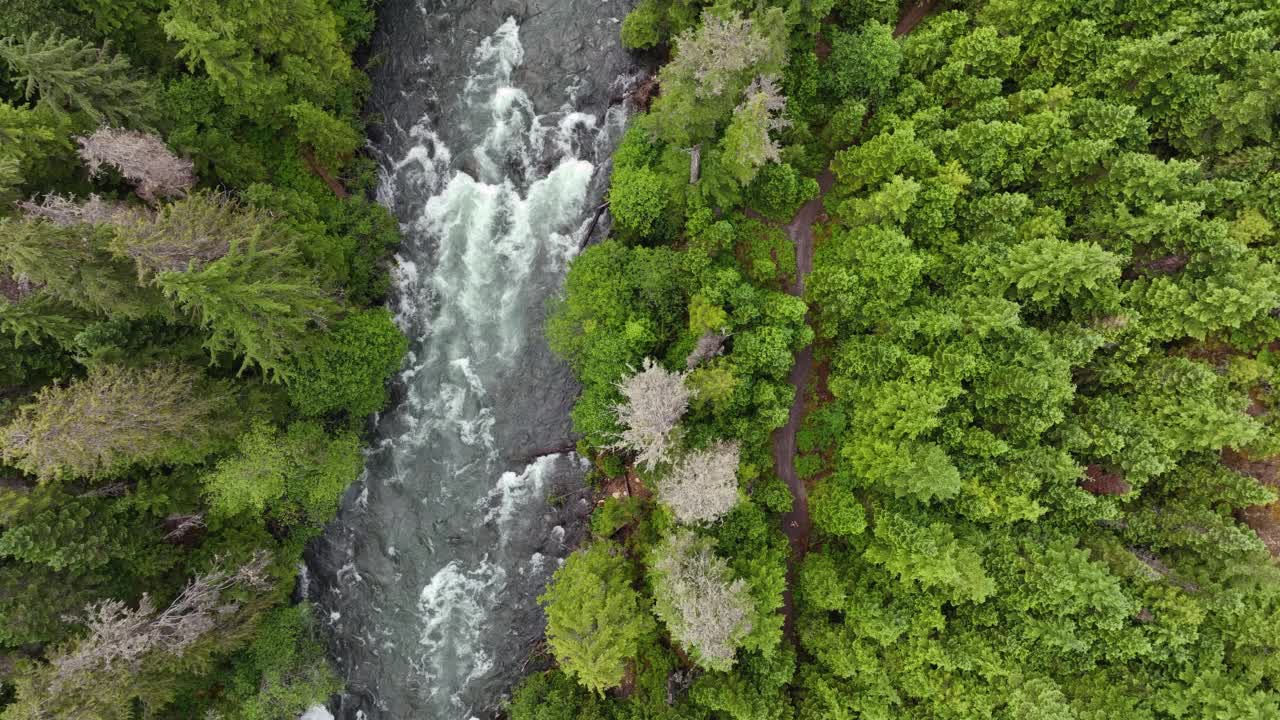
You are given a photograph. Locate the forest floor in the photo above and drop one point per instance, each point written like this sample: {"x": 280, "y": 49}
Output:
{"x": 796, "y": 523}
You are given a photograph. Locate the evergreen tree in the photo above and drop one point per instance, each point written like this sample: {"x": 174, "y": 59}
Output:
{"x": 70, "y": 75}
{"x": 259, "y": 303}
{"x": 115, "y": 417}
{"x": 595, "y": 620}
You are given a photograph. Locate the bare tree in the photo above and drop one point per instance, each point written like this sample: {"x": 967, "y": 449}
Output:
{"x": 120, "y": 636}
{"x": 142, "y": 158}
{"x": 181, "y": 527}
{"x": 708, "y": 346}
{"x": 703, "y": 486}
{"x": 64, "y": 210}
{"x": 706, "y": 609}
{"x": 711, "y": 56}
{"x": 655, "y": 401}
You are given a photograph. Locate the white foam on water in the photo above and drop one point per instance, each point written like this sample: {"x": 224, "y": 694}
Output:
{"x": 453, "y": 608}
{"x": 498, "y": 215}
{"x": 515, "y": 491}
{"x": 317, "y": 712}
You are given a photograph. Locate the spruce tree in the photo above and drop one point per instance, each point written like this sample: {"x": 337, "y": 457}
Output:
{"x": 70, "y": 75}
{"x": 115, "y": 417}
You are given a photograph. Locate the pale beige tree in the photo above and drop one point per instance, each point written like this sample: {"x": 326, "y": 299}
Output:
{"x": 120, "y": 637}
{"x": 703, "y": 485}
{"x": 142, "y": 158}
{"x": 706, "y": 609}
{"x": 655, "y": 400}
{"x": 708, "y": 346}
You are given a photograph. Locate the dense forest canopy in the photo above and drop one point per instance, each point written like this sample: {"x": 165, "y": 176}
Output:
{"x": 191, "y": 340}
{"x": 928, "y": 371}
{"x": 1038, "y": 443}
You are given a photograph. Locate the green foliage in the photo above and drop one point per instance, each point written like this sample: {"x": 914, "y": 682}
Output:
{"x": 642, "y": 28}
{"x": 282, "y": 672}
{"x": 613, "y": 515}
{"x": 116, "y": 417}
{"x": 552, "y": 695}
{"x": 71, "y": 263}
{"x": 863, "y": 64}
{"x": 258, "y": 303}
{"x": 779, "y": 190}
{"x": 636, "y": 199}
{"x": 350, "y": 368}
{"x": 595, "y": 620}
{"x": 264, "y": 58}
{"x": 836, "y": 510}
{"x": 296, "y": 475}
{"x": 72, "y": 76}
{"x": 1042, "y": 294}
{"x": 123, "y": 478}
{"x": 332, "y": 139}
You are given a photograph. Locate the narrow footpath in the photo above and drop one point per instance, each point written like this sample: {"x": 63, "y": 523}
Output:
{"x": 796, "y": 523}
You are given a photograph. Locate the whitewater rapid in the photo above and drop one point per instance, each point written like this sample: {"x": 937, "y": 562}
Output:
{"x": 471, "y": 496}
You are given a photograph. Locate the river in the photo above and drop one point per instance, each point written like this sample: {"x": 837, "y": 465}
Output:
{"x": 496, "y": 122}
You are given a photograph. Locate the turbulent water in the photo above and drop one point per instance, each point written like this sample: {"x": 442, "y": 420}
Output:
{"x": 497, "y": 123}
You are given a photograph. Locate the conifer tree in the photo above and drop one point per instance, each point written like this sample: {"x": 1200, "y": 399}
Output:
{"x": 70, "y": 75}
{"x": 71, "y": 263}
{"x": 595, "y": 620}
{"x": 259, "y": 303}
{"x": 117, "y": 416}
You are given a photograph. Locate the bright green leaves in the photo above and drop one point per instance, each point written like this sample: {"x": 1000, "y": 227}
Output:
{"x": 1048, "y": 271}
{"x": 595, "y": 621}
{"x": 642, "y": 28}
{"x": 1181, "y": 407}
{"x": 861, "y": 277}
{"x": 636, "y": 199}
{"x": 928, "y": 553}
{"x": 836, "y": 510}
{"x": 333, "y": 140}
{"x": 297, "y": 475}
{"x": 863, "y": 65}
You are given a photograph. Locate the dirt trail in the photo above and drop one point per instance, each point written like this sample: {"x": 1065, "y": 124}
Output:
{"x": 915, "y": 11}
{"x": 796, "y": 523}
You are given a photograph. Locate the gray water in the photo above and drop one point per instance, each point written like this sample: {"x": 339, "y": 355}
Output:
{"x": 497, "y": 123}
